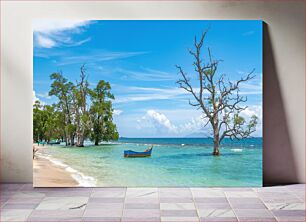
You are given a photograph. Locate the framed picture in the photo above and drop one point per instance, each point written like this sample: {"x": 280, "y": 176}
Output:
{"x": 147, "y": 103}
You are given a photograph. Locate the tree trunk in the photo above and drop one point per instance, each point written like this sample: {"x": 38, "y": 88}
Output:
{"x": 72, "y": 139}
{"x": 96, "y": 142}
{"x": 66, "y": 141}
{"x": 216, "y": 147}
{"x": 216, "y": 137}
{"x": 81, "y": 141}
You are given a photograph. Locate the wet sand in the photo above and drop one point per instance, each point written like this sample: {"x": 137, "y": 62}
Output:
{"x": 47, "y": 174}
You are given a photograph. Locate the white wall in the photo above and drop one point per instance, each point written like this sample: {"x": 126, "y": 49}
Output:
{"x": 284, "y": 73}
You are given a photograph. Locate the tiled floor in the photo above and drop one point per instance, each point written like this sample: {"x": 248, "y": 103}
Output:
{"x": 21, "y": 202}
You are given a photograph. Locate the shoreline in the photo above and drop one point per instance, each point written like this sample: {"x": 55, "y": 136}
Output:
{"x": 48, "y": 174}
{"x": 104, "y": 173}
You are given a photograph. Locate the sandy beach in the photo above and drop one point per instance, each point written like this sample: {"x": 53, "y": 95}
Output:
{"x": 47, "y": 174}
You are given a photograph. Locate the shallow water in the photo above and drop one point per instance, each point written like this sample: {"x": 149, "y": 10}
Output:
{"x": 174, "y": 162}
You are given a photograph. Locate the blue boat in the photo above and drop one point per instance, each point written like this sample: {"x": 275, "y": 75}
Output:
{"x": 131, "y": 153}
{"x": 54, "y": 142}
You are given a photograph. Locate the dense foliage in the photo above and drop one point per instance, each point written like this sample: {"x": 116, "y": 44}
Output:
{"x": 80, "y": 112}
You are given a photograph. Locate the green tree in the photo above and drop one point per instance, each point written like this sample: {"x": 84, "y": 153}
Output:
{"x": 218, "y": 98}
{"x": 38, "y": 121}
{"x": 101, "y": 114}
{"x": 79, "y": 113}
{"x": 47, "y": 122}
{"x": 49, "y": 127}
{"x": 62, "y": 89}
{"x": 53, "y": 127}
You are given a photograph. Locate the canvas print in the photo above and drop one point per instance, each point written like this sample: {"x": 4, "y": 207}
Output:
{"x": 143, "y": 103}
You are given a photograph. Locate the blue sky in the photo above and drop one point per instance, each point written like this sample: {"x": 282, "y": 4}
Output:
{"x": 138, "y": 58}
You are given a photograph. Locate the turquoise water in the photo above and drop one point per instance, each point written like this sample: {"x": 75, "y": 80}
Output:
{"x": 174, "y": 162}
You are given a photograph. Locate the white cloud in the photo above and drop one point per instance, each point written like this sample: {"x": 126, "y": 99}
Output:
{"x": 180, "y": 123}
{"x": 51, "y": 26}
{"x": 248, "y": 113}
{"x": 252, "y": 110}
{"x": 45, "y": 42}
{"x": 34, "y": 97}
{"x": 257, "y": 111}
{"x": 195, "y": 125}
{"x": 117, "y": 112}
{"x": 52, "y": 33}
{"x": 140, "y": 98}
{"x": 96, "y": 57}
{"x": 251, "y": 88}
{"x": 157, "y": 121}
{"x": 80, "y": 42}
{"x": 44, "y": 95}
{"x": 161, "y": 124}
{"x": 170, "y": 91}
{"x": 138, "y": 94}
{"x": 146, "y": 75}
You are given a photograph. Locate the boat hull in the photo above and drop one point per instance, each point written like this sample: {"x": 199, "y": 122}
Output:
{"x": 54, "y": 143}
{"x": 134, "y": 154}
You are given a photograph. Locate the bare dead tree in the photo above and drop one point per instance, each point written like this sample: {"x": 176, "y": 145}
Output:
{"x": 218, "y": 98}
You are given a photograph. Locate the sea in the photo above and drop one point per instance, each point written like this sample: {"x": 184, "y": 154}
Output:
{"x": 175, "y": 162}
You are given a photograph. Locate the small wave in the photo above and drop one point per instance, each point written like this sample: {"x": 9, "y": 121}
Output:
{"x": 236, "y": 150}
{"x": 111, "y": 143}
{"x": 166, "y": 144}
{"x": 83, "y": 180}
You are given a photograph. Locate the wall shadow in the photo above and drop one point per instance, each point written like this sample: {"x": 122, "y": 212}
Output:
{"x": 278, "y": 160}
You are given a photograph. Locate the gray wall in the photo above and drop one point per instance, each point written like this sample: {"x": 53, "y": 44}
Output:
{"x": 284, "y": 73}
